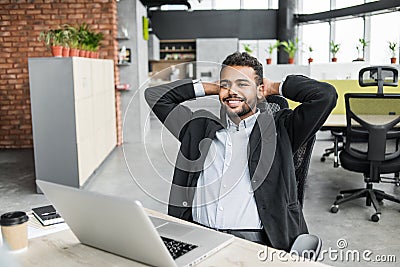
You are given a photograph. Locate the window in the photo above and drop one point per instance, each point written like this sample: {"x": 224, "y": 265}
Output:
{"x": 316, "y": 36}
{"x": 348, "y": 39}
{"x": 227, "y": 4}
{"x": 313, "y": 6}
{"x": 382, "y": 32}
{"x": 203, "y": 5}
{"x": 255, "y": 4}
{"x": 233, "y": 4}
{"x": 348, "y": 3}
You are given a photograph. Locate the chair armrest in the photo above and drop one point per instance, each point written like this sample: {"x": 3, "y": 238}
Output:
{"x": 307, "y": 246}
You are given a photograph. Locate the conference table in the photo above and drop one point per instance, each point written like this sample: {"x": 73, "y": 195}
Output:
{"x": 64, "y": 249}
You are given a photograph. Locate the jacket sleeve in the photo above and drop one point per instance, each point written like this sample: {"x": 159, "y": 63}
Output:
{"x": 165, "y": 101}
{"x": 317, "y": 100}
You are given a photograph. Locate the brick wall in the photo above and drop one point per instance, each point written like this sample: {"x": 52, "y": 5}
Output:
{"x": 20, "y": 24}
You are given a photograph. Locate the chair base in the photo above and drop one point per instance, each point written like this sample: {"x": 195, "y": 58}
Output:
{"x": 373, "y": 196}
{"x": 338, "y": 145}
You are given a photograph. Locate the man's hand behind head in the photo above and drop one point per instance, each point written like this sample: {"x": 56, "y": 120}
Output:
{"x": 211, "y": 88}
{"x": 270, "y": 87}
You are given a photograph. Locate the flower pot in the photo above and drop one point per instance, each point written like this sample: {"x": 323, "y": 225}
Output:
{"x": 56, "y": 51}
{"x": 94, "y": 54}
{"x": 310, "y": 60}
{"x": 269, "y": 61}
{"x": 393, "y": 60}
{"x": 65, "y": 52}
{"x": 334, "y": 59}
{"x": 82, "y": 53}
{"x": 291, "y": 60}
{"x": 73, "y": 52}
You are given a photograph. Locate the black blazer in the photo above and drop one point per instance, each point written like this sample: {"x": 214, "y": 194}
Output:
{"x": 272, "y": 143}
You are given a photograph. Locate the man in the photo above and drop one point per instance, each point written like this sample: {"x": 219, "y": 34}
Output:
{"x": 235, "y": 173}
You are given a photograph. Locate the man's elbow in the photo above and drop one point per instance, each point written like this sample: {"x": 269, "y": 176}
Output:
{"x": 150, "y": 95}
{"x": 147, "y": 94}
{"x": 330, "y": 95}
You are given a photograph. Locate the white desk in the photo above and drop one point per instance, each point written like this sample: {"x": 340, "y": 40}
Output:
{"x": 335, "y": 120}
{"x": 339, "y": 120}
{"x": 64, "y": 249}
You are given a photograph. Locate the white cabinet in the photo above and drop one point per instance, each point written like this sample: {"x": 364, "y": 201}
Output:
{"x": 73, "y": 117}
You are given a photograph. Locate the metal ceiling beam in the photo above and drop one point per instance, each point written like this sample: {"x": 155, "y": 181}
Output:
{"x": 381, "y": 6}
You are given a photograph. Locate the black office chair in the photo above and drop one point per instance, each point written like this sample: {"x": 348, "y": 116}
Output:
{"x": 305, "y": 245}
{"x": 302, "y": 157}
{"x": 380, "y": 153}
{"x": 380, "y": 156}
{"x": 338, "y": 145}
{"x": 369, "y": 76}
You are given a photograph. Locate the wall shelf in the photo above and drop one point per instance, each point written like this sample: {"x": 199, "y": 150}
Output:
{"x": 178, "y": 49}
{"x": 123, "y": 38}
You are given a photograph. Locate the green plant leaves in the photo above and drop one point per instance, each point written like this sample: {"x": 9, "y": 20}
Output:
{"x": 79, "y": 36}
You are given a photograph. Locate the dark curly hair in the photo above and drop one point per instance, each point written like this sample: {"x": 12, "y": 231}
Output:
{"x": 245, "y": 60}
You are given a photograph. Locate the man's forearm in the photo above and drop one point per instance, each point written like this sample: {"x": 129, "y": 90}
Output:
{"x": 317, "y": 98}
{"x": 165, "y": 101}
{"x": 273, "y": 88}
{"x": 211, "y": 88}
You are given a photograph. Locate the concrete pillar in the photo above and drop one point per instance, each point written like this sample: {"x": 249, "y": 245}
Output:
{"x": 286, "y": 25}
{"x": 130, "y": 17}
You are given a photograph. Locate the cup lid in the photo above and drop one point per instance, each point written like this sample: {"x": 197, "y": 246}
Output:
{"x": 13, "y": 218}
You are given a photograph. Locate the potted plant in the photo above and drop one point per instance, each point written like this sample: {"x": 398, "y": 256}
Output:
{"x": 73, "y": 40}
{"x": 361, "y": 49}
{"x": 310, "y": 59}
{"x": 63, "y": 38}
{"x": 290, "y": 47}
{"x": 392, "y": 47}
{"x": 334, "y": 49}
{"x": 93, "y": 43}
{"x": 83, "y": 32}
{"x": 51, "y": 39}
{"x": 270, "y": 50}
{"x": 247, "y": 48}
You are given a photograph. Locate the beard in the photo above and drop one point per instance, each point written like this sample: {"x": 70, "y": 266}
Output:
{"x": 239, "y": 111}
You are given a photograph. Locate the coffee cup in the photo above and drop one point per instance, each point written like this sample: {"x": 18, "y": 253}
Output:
{"x": 14, "y": 228}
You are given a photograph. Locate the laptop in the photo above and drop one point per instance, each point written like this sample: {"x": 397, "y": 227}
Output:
{"x": 122, "y": 227}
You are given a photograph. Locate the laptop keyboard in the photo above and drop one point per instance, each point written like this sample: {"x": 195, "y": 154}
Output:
{"x": 177, "y": 248}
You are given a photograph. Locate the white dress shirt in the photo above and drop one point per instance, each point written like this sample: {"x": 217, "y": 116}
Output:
{"x": 224, "y": 198}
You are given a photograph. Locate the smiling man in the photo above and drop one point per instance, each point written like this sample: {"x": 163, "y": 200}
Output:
{"x": 235, "y": 173}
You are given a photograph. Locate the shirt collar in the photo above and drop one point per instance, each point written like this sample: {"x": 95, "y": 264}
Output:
{"x": 243, "y": 124}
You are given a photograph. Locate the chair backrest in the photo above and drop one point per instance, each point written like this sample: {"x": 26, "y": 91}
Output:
{"x": 378, "y": 76}
{"x": 373, "y": 126}
{"x": 302, "y": 157}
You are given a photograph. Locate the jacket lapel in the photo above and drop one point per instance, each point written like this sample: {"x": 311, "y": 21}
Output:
{"x": 261, "y": 149}
{"x": 215, "y": 124}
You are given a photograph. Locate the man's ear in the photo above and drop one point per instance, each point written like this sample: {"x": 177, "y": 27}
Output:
{"x": 260, "y": 92}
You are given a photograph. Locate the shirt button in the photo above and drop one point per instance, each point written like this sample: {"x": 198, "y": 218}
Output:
{"x": 224, "y": 186}
{"x": 221, "y": 208}
{"x": 184, "y": 203}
